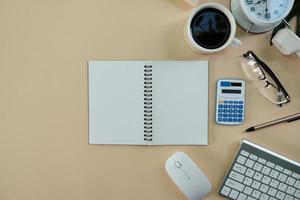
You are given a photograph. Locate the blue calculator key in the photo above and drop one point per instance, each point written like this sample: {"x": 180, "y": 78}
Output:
{"x": 235, "y": 106}
{"x": 234, "y": 115}
{"x": 225, "y": 111}
{"x": 224, "y": 115}
{"x": 230, "y": 115}
{"x": 240, "y": 111}
{"x": 225, "y": 106}
{"x": 220, "y": 110}
{"x": 230, "y": 119}
{"x": 231, "y": 102}
{"x": 236, "y": 102}
{"x": 240, "y": 115}
{"x": 220, "y": 106}
{"x": 230, "y": 111}
{"x": 241, "y": 106}
{"x": 240, "y": 120}
{"x": 235, "y": 111}
{"x": 241, "y": 102}
{"x": 220, "y": 115}
{"x": 234, "y": 120}
{"x": 219, "y": 119}
{"x": 230, "y": 106}
{"x": 224, "y": 119}
{"x": 225, "y": 101}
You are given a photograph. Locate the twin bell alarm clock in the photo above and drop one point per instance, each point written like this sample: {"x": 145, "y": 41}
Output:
{"x": 259, "y": 16}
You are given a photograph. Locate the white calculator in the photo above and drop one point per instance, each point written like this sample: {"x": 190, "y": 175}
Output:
{"x": 230, "y": 102}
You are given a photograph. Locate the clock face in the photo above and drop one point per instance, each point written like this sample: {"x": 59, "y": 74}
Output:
{"x": 267, "y": 10}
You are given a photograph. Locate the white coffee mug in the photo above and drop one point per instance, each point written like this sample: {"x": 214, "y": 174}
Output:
{"x": 200, "y": 49}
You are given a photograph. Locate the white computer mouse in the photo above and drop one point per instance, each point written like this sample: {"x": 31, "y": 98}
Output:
{"x": 188, "y": 176}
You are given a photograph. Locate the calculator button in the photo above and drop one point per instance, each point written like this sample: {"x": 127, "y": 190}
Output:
{"x": 225, "y": 110}
{"x": 235, "y": 106}
{"x": 220, "y": 115}
{"x": 241, "y": 106}
{"x": 224, "y": 115}
{"x": 234, "y": 119}
{"x": 235, "y": 102}
{"x": 220, "y": 106}
{"x": 220, "y": 110}
{"x": 225, "y": 106}
{"x": 240, "y": 111}
{"x": 230, "y": 119}
{"x": 235, "y": 115}
{"x": 230, "y": 111}
{"x": 240, "y": 102}
{"x": 230, "y": 115}
{"x": 240, "y": 115}
{"x": 240, "y": 120}
{"x": 219, "y": 119}
{"x": 230, "y": 106}
{"x": 231, "y": 102}
{"x": 225, "y": 101}
{"x": 235, "y": 111}
{"x": 224, "y": 119}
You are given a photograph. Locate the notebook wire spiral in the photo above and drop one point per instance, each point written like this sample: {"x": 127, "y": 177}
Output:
{"x": 148, "y": 123}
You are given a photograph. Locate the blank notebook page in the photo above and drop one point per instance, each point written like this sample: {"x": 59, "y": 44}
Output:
{"x": 116, "y": 102}
{"x": 180, "y": 102}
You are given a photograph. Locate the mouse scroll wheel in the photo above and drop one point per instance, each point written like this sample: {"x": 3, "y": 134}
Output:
{"x": 178, "y": 164}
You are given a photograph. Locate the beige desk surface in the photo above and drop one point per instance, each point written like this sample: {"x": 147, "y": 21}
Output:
{"x": 44, "y": 49}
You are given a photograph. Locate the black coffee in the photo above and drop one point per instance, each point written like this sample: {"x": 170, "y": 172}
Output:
{"x": 210, "y": 28}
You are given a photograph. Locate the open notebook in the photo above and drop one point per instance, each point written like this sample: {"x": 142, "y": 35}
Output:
{"x": 148, "y": 102}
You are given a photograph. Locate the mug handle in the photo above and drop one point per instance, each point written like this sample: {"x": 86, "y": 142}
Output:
{"x": 236, "y": 42}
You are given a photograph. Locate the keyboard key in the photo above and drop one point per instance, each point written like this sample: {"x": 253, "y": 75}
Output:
{"x": 296, "y": 176}
{"x": 242, "y": 196}
{"x": 297, "y": 194}
{"x": 288, "y": 197}
{"x": 270, "y": 164}
{"x": 272, "y": 192}
{"x": 282, "y": 187}
{"x": 257, "y": 166}
{"x": 239, "y": 168}
{"x": 280, "y": 195}
{"x": 264, "y": 188}
{"x": 266, "y": 180}
{"x": 290, "y": 190}
{"x": 250, "y": 198}
{"x": 287, "y": 172}
{"x": 236, "y": 176}
{"x": 274, "y": 174}
{"x": 248, "y": 181}
{"x": 249, "y": 163}
{"x": 274, "y": 183}
{"x": 234, "y": 184}
{"x": 256, "y": 184}
{"x": 264, "y": 197}
{"x": 257, "y": 176}
{"x": 256, "y": 194}
{"x": 297, "y": 184}
{"x": 248, "y": 190}
{"x": 266, "y": 170}
{"x": 272, "y": 198}
{"x": 279, "y": 168}
{"x": 253, "y": 157}
{"x": 249, "y": 172}
{"x": 290, "y": 181}
{"x": 262, "y": 161}
{"x": 225, "y": 190}
{"x": 233, "y": 194}
{"x": 241, "y": 159}
{"x": 244, "y": 153}
{"x": 282, "y": 177}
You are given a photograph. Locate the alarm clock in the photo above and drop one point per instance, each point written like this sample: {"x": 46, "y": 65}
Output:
{"x": 259, "y": 16}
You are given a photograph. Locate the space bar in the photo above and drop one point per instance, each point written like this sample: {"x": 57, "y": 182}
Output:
{"x": 235, "y": 185}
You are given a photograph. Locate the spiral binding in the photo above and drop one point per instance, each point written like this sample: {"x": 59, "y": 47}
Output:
{"x": 148, "y": 123}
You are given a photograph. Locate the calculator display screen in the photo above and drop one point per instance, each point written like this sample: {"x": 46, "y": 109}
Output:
{"x": 236, "y": 84}
{"x": 232, "y": 91}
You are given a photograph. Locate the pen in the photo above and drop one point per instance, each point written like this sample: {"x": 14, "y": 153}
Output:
{"x": 289, "y": 118}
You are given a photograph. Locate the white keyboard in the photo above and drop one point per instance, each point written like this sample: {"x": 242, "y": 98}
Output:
{"x": 258, "y": 173}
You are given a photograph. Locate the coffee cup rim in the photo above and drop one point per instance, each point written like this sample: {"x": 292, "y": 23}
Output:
{"x": 228, "y": 14}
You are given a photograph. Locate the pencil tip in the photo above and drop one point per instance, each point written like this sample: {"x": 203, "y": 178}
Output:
{"x": 250, "y": 129}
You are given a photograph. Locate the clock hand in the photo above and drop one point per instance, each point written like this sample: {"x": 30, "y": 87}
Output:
{"x": 258, "y": 2}
{"x": 266, "y": 5}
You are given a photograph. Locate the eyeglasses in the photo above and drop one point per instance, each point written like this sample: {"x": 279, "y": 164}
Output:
{"x": 269, "y": 85}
